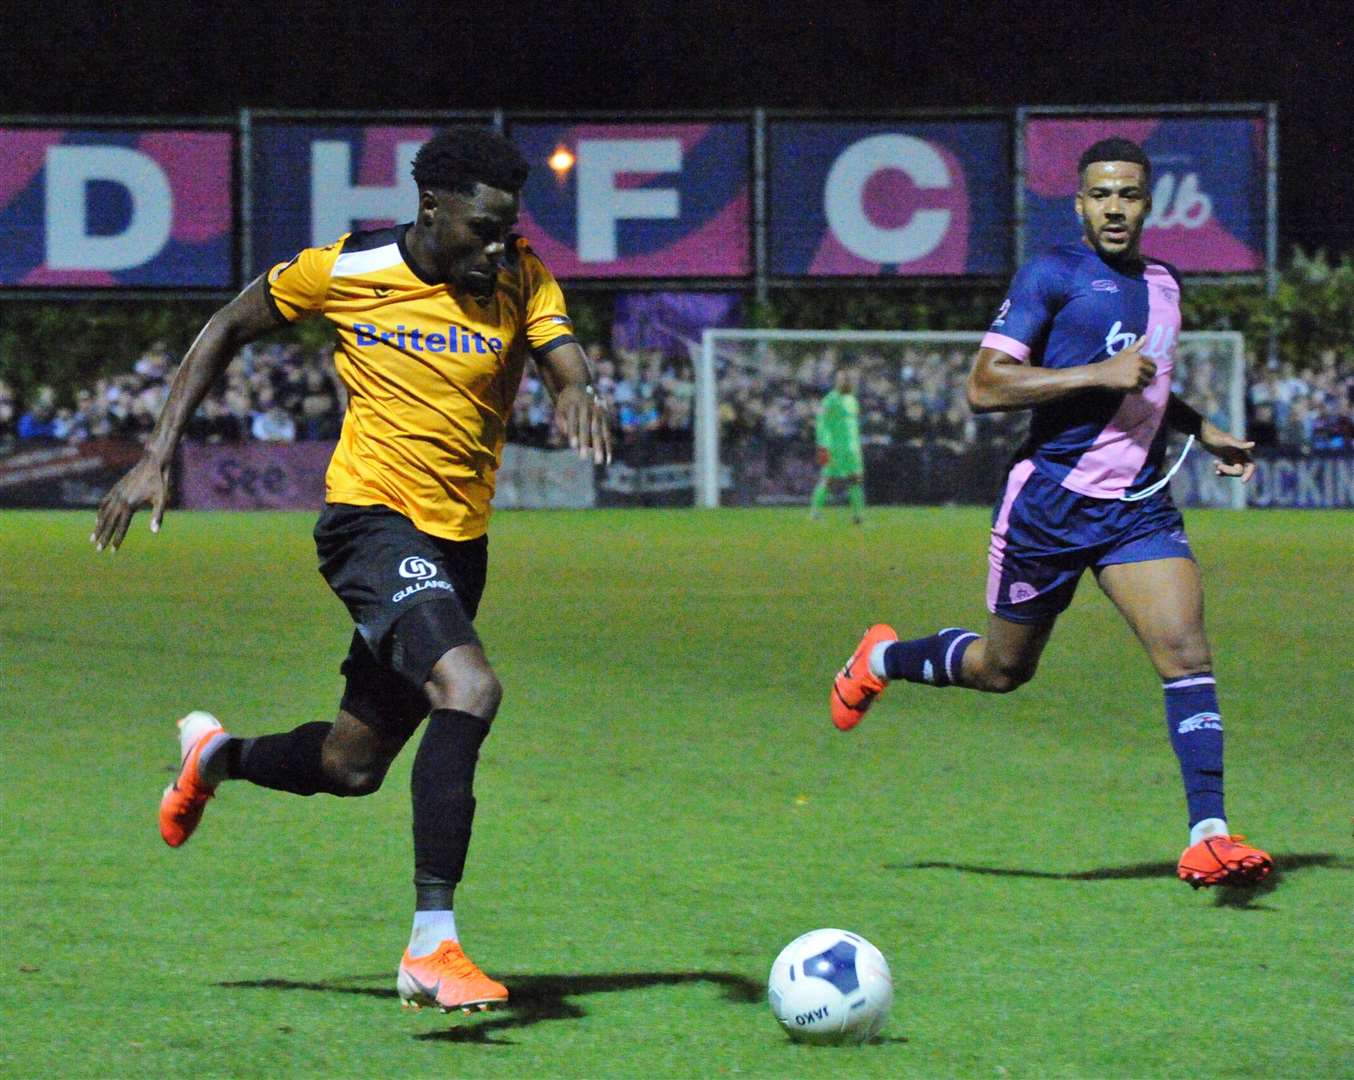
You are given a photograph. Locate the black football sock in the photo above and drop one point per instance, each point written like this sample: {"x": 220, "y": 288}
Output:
{"x": 444, "y": 803}
{"x": 286, "y": 762}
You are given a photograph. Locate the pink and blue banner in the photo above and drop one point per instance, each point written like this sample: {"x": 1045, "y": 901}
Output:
{"x": 102, "y": 207}
{"x": 309, "y": 183}
{"x": 1208, "y": 186}
{"x": 638, "y": 200}
{"x": 871, "y": 199}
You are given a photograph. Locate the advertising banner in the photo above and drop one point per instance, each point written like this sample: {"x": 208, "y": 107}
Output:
{"x": 64, "y": 476}
{"x": 253, "y": 476}
{"x": 1288, "y": 481}
{"x": 672, "y": 322}
{"x": 1208, "y": 186}
{"x": 532, "y": 478}
{"x": 312, "y": 183}
{"x": 102, "y": 207}
{"x": 638, "y": 200}
{"x": 889, "y": 198}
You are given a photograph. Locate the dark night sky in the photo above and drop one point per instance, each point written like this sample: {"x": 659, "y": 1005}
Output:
{"x": 190, "y": 58}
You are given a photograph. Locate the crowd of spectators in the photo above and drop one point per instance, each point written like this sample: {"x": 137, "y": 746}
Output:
{"x": 1312, "y": 409}
{"x": 909, "y": 397}
{"x": 270, "y": 393}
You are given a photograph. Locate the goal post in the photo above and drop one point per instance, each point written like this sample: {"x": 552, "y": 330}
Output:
{"x": 756, "y": 392}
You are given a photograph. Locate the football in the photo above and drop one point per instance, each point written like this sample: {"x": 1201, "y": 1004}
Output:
{"x": 830, "y": 986}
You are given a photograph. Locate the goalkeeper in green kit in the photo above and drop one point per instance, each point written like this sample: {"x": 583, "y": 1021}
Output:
{"x": 837, "y": 435}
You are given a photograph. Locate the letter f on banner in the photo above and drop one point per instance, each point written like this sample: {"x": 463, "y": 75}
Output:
{"x": 601, "y": 204}
{"x": 70, "y": 243}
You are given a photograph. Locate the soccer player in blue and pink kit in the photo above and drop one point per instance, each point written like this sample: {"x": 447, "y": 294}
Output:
{"x": 1086, "y": 339}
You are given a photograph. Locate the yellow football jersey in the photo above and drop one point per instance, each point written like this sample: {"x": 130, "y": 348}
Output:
{"x": 431, "y": 373}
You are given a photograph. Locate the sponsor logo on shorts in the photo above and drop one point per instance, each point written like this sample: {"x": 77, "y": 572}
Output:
{"x": 1104, "y": 285}
{"x": 1199, "y": 721}
{"x": 1021, "y": 591}
{"x": 418, "y": 568}
{"x": 410, "y": 590}
{"x": 928, "y": 671}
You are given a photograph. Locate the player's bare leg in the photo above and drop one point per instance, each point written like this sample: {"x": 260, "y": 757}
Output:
{"x": 1006, "y": 657}
{"x": 464, "y": 694}
{"x": 1162, "y": 600}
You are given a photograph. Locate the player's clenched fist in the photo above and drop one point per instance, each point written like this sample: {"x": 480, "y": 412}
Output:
{"x": 1128, "y": 369}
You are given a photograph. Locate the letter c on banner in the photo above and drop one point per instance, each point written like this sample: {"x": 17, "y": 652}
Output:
{"x": 843, "y": 199}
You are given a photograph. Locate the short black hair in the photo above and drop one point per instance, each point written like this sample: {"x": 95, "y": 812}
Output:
{"x": 1115, "y": 149}
{"x": 458, "y": 158}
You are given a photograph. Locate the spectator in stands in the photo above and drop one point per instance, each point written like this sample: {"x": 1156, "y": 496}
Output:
{"x": 1332, "y": 430}
{"x": 1295, "y": 431}
{"x": 214, "y": 423}
{"x": 270, "y": 422}
{"x": 39, "y": 422}
{"x": 321, "y": 416}
{"x": 9, "y": 420}
{"x": 154, "y": 364}
{"x": 1262, "y": 430}
{"x": 639, "y": 418}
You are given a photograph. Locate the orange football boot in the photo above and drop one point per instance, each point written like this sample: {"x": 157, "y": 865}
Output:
{"x": 855, "y": 688}
{"x": 184, "y": 800}
{"x": 447, "y": 978}
{"x": 1223, "y": 860}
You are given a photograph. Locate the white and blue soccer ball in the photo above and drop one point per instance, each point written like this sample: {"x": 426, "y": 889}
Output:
{"x": 830, "y": 986}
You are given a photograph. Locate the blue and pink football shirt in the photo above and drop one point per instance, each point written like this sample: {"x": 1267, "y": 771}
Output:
{"x": 1069, "y": 307}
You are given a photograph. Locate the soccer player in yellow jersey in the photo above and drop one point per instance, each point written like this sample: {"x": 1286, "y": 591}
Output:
{"x": 435, "y": 319}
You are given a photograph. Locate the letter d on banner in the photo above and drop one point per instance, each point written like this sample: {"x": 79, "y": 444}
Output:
{"x": 70, "y": 244}
{"x": 844, "y": 191}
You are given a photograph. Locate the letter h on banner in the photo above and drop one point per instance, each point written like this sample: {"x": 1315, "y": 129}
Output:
{"x": 336, "y": 202}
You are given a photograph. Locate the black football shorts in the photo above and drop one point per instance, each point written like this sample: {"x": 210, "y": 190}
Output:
{"x": 412, "y": 596}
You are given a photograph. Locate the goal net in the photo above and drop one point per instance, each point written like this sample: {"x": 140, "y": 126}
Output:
{"x": 757, "y": 393}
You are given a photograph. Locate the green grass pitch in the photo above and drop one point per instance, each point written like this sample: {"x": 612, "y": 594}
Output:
{"x": 664, "y": 804}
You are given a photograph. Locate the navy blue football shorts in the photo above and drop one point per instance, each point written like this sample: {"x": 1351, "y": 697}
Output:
{"x": 412, "y": 597}
{"x": 1044, "y": 535}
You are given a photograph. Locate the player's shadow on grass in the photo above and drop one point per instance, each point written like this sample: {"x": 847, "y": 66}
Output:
{"x": 1224, "y": 897}
{"x": 534, "y": 998}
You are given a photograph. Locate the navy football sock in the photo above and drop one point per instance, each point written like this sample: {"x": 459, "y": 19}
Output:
{"x": 934, "y": 660}
{"x": 444, "y": 803}
{"x": 1195, "y": 727}
{"x": 289, "y": 761}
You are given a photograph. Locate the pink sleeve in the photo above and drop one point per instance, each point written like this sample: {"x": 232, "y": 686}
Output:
{"x": 1009, "y": 345}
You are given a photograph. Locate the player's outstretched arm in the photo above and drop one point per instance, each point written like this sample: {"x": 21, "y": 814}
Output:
{"x": 1233, "y": 454}
{"x": 245, "y": 318}
{"x": 580, "y": 414}
{"x": 999, "y": 382}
